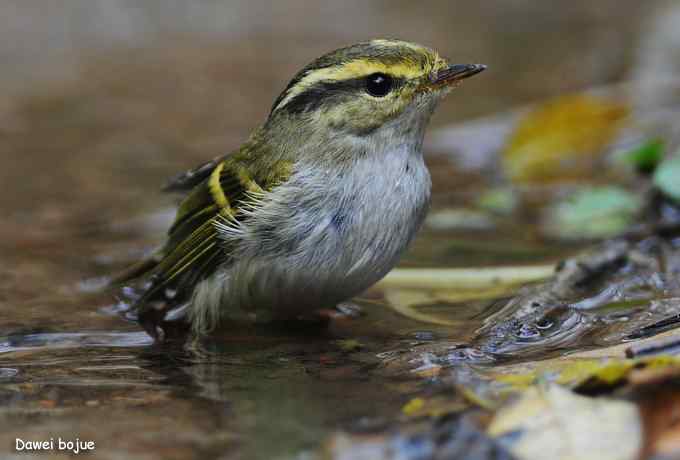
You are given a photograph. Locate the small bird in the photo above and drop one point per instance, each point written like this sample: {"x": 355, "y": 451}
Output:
{"x": 315, "y": 207}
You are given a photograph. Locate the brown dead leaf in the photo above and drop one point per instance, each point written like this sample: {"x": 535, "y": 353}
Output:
{"x": 661, "y": 420}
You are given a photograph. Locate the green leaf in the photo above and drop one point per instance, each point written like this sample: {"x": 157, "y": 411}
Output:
{"x": 667, "y": 177}
{"x": 499, "y": 200}
{"x": 647, "y": 156}
{"x": 598, "y": 212}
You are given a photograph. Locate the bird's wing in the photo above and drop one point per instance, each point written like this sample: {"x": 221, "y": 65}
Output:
{"x": 186, "y": 181}
{"x": 218, "y": 191}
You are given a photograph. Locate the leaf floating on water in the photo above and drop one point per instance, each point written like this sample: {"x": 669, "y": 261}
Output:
{"x": 405, "y": 302}
{"x": 593, "y": 213}
{"x": 560, "y": 138}
{"x": 465, "y": 278}
{"x": 552, "y": 422}
{"x": 407, "y": 289}
{"x": 667, "y": 177}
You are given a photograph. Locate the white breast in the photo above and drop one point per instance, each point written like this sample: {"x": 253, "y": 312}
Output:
{"x": 322, "y": 237}
{"x": 331, "y": 245}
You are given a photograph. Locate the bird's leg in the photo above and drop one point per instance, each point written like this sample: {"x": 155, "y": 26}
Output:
{"x": 151, "y": 319}
{"x": 164, "y": 321}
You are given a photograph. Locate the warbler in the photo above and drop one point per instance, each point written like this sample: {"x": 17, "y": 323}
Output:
{"x": 315, "y": 207}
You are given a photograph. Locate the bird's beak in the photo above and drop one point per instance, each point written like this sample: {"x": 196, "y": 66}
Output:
{"x": 454, "y": 73}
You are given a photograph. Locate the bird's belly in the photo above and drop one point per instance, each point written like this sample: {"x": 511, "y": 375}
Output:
{"x": 334, "y": 262}
{"x": 320, "y": 240}
{"x": 331, "y": 269}
{"x": 337, "y": 253}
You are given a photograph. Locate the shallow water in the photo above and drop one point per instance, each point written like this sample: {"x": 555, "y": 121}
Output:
{"x": 81, "y": 202}
{"x": 71, "y": 367}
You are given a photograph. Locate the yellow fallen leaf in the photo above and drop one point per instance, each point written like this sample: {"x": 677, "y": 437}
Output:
{"x": 578, "y": 370}
{"x": 562, "y": 370}
{"x": 349, "y": 345}
{"x": 432, "y": 407}
{"x": 560, "y": 138}
{"x": 464, "y": 278}
{"x": 475, "y": 398}
{"x": 615, "y": 371}
{"x": 517, "y": 381}
{"x": 574, "y": 371}
{"x": 406, "y": 289}
{"x": 413, "y": 406}
{"x": 405, "y": 302}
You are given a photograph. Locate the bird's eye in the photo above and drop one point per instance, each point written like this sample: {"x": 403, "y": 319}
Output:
{"x": 378, "y": 84}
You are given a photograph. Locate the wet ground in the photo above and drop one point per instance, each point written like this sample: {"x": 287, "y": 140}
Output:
{"x": 70, "y": 367}
{"x": 82, "y": 163}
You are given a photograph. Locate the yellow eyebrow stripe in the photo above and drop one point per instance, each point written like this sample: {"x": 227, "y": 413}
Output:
{"x": 352, "y": 69}
{"x": 401, "y": 44}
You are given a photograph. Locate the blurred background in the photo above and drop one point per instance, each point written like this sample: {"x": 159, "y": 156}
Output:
{"x": 102, "y": 100}
{"x": 121, "y": 93}
{"x": 248, "y": 49}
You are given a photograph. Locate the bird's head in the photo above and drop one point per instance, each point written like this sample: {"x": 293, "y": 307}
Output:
{"x": 360, "y": 88}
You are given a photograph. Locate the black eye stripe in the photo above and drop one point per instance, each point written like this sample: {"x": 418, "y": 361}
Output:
{"x": 323, "y": 91}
